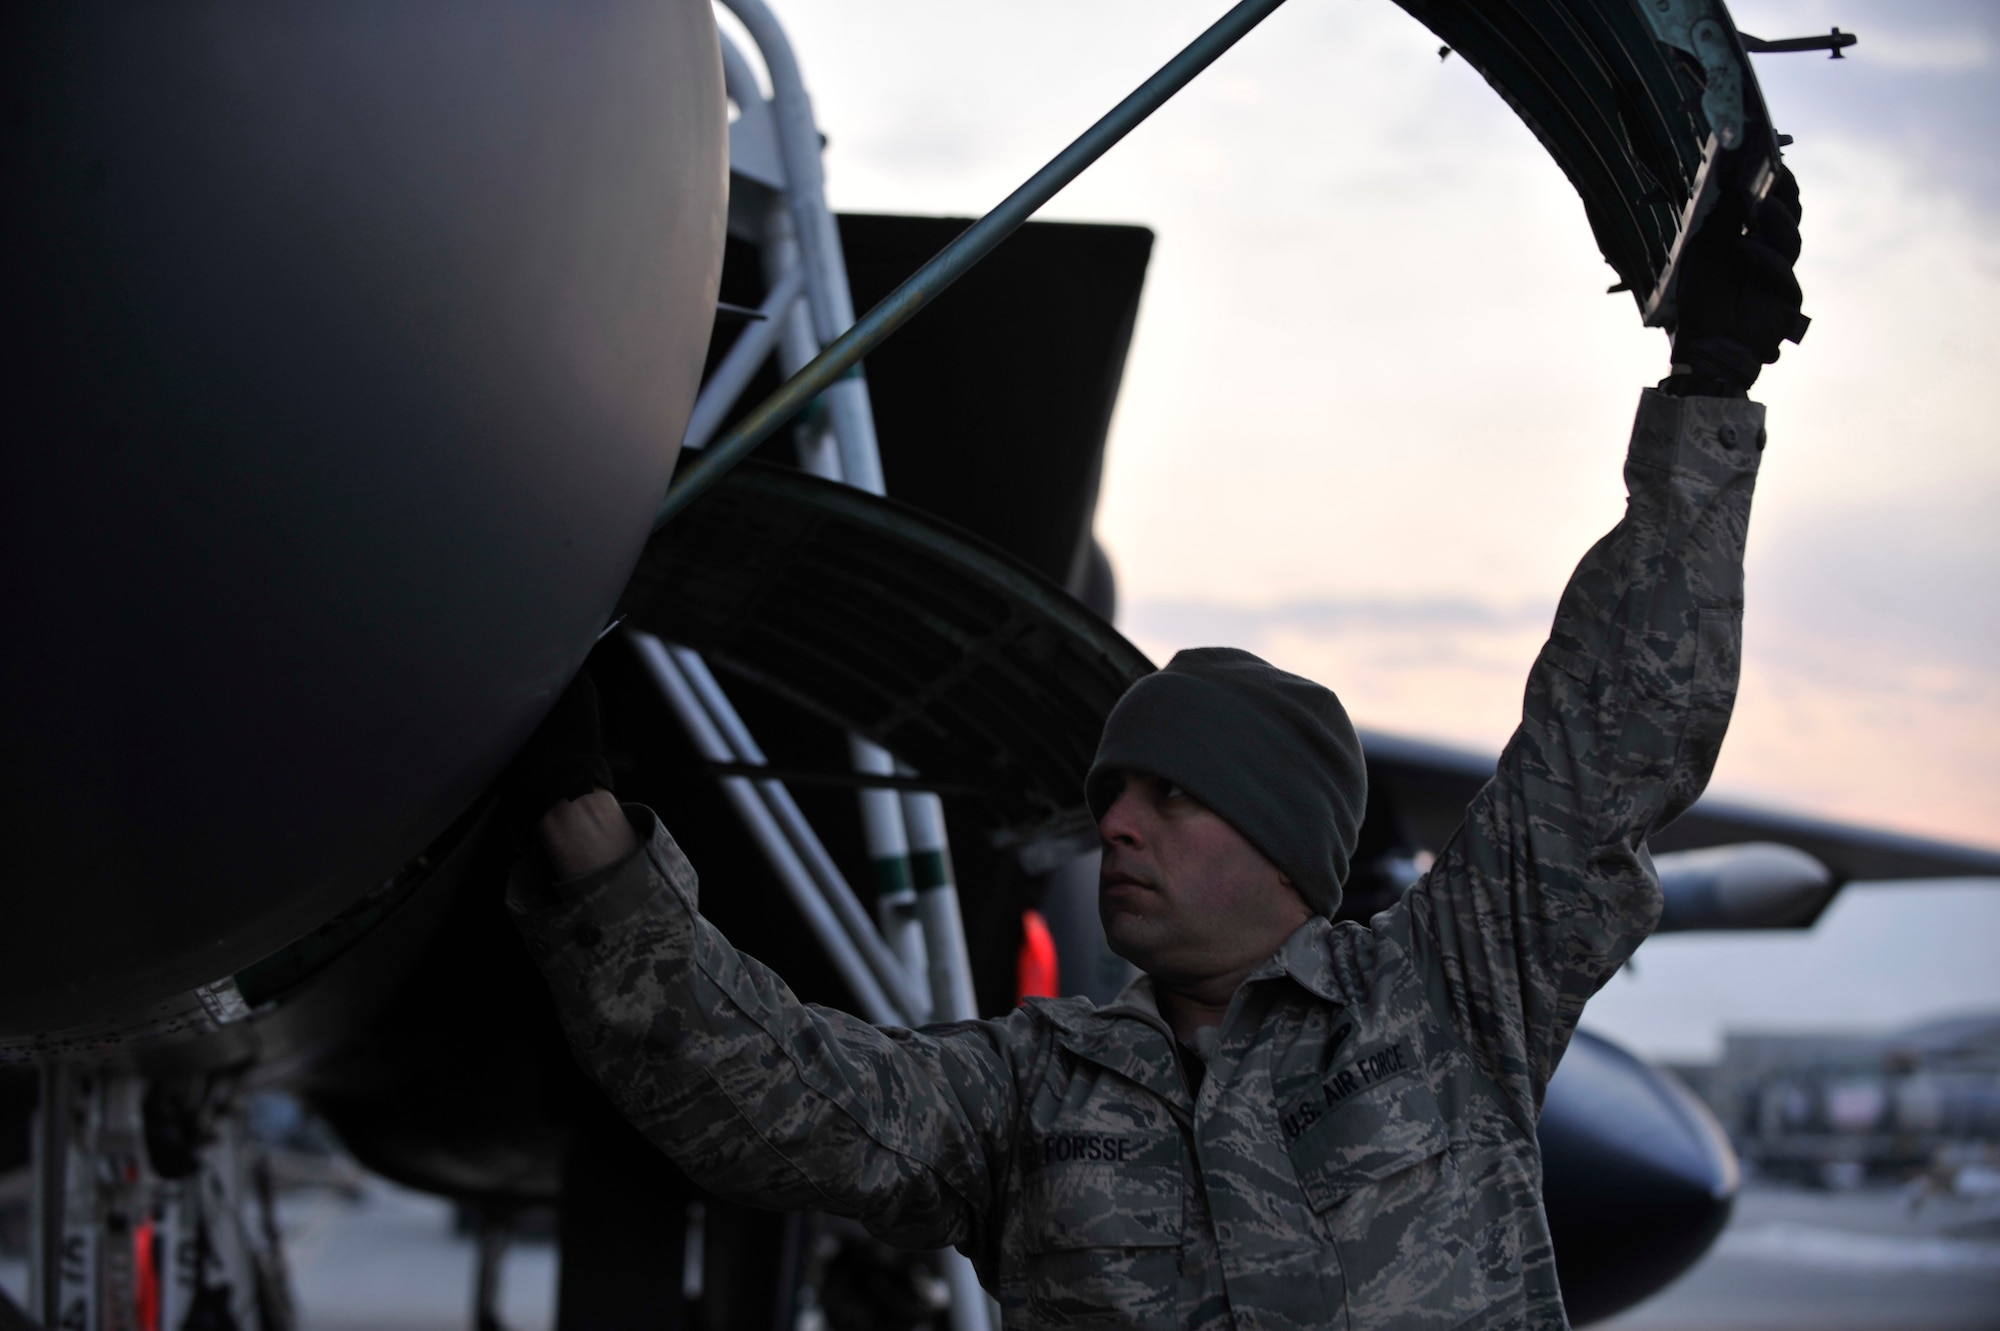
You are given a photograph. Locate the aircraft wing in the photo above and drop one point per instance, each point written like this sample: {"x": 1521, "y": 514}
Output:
{"x": 1432, "y": 784}
{"x": 1854, "y": 853}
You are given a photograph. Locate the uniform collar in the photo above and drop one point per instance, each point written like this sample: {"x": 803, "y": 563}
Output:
{"x": 1127, "y": 1035}
{"x": 1138, "y": 999}
{"x": 1307, "y": 957}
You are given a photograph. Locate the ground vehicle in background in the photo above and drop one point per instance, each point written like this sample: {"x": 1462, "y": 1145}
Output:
{"x": 1837, "y": 1110}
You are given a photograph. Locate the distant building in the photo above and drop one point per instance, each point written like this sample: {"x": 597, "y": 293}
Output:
{"x": 1837, "y": 1109}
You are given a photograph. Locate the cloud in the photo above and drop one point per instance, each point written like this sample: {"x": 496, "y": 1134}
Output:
{"x": 1934, "y": 52}
{"x": 1862, "y": 593}
{"x": 1833, "y": 717}
{"x": 1441, "y": 668}
{"x": 1920, "y": 83}
{"x": 1186, "y": 620}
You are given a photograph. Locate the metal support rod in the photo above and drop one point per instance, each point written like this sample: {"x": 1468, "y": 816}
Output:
{"x": 811, "y": 851}
{"x": 52, "y": 1137}
{"x": 756, "y": 129}
{"x": 839, "y": 445}
{"x": 950, "y": 263}
{"x": 803, "y": 236}
{"x": 739, "y": 367}
{"x": 756, "y": 125}
{"x": 970, "y": 1309}
{"x": 952, "y": 998}
{"x": 818, "y": 450}
{"x": 495, "y": 1231}
{"x": 123, "y": 1200}
{"x": 889, "y": 850}
{"x": 694, "y": 1252}
{"x": 899, "y": 916}
{"x": 827, "y": 295}
{"x": 757, "y": 818}
{"x": 805, "y": 181}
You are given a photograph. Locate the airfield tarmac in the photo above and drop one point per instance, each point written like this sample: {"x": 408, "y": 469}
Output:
{"x": 1838, "y": 1261}
{"x": 388, "y": 1260}
{"x": 1848, "y": 1261}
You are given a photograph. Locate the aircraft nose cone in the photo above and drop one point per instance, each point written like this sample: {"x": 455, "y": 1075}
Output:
{"x": 347, "y": 351}
{"x": 1638, "y": 1178}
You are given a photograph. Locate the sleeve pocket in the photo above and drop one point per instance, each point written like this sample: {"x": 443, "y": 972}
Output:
{"x": 1718, "y": 656}
{"x": 1103, "y": 1206}
{"x": 1369, "y": 1139}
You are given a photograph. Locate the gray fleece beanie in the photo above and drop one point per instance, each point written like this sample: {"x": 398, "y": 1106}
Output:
{"x": 1272, "y": 753}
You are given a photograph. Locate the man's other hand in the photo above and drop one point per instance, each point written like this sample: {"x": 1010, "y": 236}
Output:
{"x": 584, "y": 835}
{"x": 560, "y": 786}
{"x": 1738, "y": 297}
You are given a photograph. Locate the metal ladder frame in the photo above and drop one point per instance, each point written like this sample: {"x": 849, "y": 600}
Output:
{"x": 910, "y": 964}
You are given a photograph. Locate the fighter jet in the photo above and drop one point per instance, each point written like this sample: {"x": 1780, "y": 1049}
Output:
{"x": 352, "y": 349}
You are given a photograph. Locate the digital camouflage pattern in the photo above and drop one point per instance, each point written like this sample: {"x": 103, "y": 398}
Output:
{"x": 1362, "y": 1149}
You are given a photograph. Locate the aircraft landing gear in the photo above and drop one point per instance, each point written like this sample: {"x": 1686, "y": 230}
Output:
{"x": 150, "y": 1212}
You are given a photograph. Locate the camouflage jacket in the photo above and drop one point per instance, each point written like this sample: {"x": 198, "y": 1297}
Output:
{"x": 1362, "y": 1149}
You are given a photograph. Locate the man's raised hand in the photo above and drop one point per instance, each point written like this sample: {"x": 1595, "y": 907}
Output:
{"x": 1738, "y": 297}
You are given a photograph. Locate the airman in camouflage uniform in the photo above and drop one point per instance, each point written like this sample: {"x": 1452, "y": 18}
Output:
{"x": 1361, "y": 1148}
{"x": 1355, "y": 1142}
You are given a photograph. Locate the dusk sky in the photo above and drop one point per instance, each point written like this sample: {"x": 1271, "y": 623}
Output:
{"x": 1378, "y": 399}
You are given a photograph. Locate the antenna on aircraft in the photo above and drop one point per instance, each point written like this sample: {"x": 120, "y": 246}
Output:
{"x": 1833, "y": 44}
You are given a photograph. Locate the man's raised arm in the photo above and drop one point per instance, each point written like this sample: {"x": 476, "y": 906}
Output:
{"x": 1545, "y": 890}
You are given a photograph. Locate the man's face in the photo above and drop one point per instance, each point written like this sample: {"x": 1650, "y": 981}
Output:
{"x": 1183, "y": 896}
